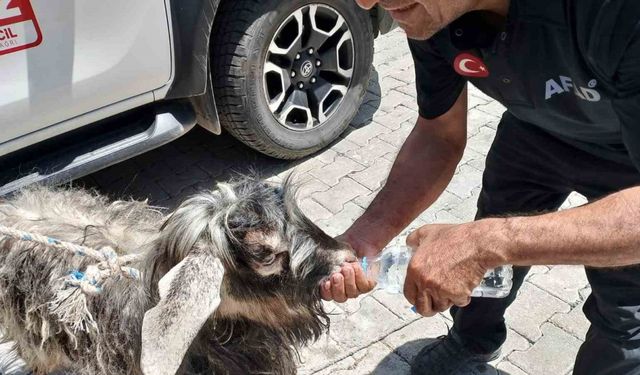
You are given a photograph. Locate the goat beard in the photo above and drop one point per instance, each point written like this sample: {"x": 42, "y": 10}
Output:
{"x": 242, "y": 346}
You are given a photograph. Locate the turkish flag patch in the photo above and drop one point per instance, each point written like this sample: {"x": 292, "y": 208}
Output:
{"x": 469, "y": 65}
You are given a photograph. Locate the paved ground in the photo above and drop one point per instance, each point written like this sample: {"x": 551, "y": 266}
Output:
{"x": 377, "y": 334}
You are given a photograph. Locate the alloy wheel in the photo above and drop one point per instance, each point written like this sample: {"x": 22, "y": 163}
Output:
{"x": 308, "y": 67}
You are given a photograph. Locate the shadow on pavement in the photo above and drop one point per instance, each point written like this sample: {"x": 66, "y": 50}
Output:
{"x": 408, "y": 351}
{"x": 197, "y": 161}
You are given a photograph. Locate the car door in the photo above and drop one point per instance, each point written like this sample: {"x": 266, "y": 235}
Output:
{"x": 64, "y": 58}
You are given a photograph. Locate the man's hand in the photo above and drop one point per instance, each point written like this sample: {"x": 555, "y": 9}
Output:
{"x": 351, "y": 281}
{"x": 448, "y": 263}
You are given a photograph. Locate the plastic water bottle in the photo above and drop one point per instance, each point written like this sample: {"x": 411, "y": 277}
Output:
{"x": 389, "y": 269}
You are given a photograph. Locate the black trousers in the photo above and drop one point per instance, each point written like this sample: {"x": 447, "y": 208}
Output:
{"x": 530, "y": 171}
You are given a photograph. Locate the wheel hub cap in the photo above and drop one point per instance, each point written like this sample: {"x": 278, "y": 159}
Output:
{"x": 306, "y": 69}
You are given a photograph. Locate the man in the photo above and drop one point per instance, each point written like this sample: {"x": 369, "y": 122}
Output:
{"x": 568, "y": 72}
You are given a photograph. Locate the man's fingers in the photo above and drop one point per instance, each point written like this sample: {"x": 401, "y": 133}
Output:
{"x": 462, "y": 302}
{"x": 424, "y": 305}
{"x": 440, "y": 304}
{"x": 364, "y": 285}
{"x": 350, "y": 287}
{"x": 325, "y": 290}
{"x": 337, "y": 288}
{"x": 410, "y": 291}
{"x": 413, "y": 239}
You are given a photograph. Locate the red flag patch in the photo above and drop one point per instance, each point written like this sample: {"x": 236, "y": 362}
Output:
{"x": 469, "y": 65}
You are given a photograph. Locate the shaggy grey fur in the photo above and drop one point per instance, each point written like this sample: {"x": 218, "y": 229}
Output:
{"x": 266, "y": 305}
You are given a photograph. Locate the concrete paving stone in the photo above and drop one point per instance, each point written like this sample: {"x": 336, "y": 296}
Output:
{"x": 397, "y": 138}
{"x": 389, "y": 83}
{"x": 382, "y": 68}
{"x": 304, "y": 166}
{"x": 537, "y": 270}
{"x": 342, "y": 365}
{"x": 474, "y": 101}
{"x": 465, "y": 181}
{"x": 446, "y": 201}
{"x": 584, "y": 293}
{"x": 445, "y": 217}
{"x": 374, "y": 176}
{"x": 515, "y": 342}
{"x": 493, "y": 108}
{"x": 364, "y": 116}
{"x": 344, "y": 146}
{"x": 319, "y": 355}
{"x": 435, "y": 213}
{"x": 362, "y": 136}
{"x": 173, "y": 185}
{"x": 394, "y": 99}
{"x": 574, "y": 200}
{"x": 338, "y": 223}
{"x": 393, "y": 119}
{"x": 372, "y": 152}
{"x": 405, "y": 60}
{"x": 372, "y": 97}
{"x": 409, "y": 89}
{"x": 476, "y": 92}
{"x": 139, "y": 190}
{"x": 409, "y": 340}
{"x": 365, "y": 200}
{"x": 309, "y": 185}
{"x": 327, "y": 156}
{"x": 377, "y": 359}
{"x": 332, "y": 174}
{"x": 467, "y": 208}
{"x": 482, "y": 141}
{"x": 574, "y": 322}
{"x": 374, "y": 82}
{"x": 564, "y": 282}
{"x": 314, "y": 210}
{"x": 554, "y": 353}
{"x": 476, "y": 119}
{"x": 397, "y": 304}
{"x": 213, "y": 166}
{"x": 335, "y": 198}
{"x": 369, "y": 324}
{"x": 474, "y": 159}
{"x": 532, "y": 307}
{"x": 404, "y": 74}
{"x": 508, "y": 368}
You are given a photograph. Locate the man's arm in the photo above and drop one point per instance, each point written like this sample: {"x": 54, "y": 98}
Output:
{"x": 601, "y": 234}
{"x": 451, "y": 260}
{"x": 422, "y": 170}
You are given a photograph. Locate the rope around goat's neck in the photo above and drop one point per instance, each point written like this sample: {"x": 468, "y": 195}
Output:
{"x": 70, "y": 304}
{"x": 99, "y": 255}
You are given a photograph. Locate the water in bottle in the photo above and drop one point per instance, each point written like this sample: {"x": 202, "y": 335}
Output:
{"x": 389, "y": 269}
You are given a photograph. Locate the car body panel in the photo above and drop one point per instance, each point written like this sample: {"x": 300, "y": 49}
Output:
{"x": 93, "y": 54}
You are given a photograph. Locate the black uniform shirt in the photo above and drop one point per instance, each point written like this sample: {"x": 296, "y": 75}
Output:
{"x": 571, "y": 67}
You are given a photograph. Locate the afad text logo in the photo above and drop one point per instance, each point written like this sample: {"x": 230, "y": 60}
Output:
{"x": 565, "y": 85}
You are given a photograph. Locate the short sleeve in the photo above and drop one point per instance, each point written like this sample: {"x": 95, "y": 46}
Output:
{"x": 438, "y": 85}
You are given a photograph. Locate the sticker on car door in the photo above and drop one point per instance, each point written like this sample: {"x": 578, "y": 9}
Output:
{"x": 19, "y": 27}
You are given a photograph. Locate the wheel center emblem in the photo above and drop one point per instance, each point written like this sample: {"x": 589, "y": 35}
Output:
{"x": 306, "y": 69}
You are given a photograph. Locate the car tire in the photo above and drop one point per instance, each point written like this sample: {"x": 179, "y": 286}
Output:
{"x": 251, "y": 57}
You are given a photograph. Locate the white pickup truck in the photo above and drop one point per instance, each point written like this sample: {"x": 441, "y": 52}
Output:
{"x": 88, "y": 83}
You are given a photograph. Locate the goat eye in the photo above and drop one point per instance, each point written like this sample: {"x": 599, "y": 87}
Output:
{"x": 269, "y": 260}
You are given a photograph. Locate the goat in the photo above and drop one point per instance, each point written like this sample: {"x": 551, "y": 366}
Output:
{"x": 229, "y": 282}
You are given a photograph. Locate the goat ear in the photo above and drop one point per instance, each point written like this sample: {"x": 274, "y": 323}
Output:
{"x": 189, "y": 295}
